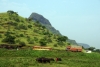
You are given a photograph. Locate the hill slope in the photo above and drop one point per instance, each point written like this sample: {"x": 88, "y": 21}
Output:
{"x": 43, "y": 21}
{"x": 47, "y": 24}
{"x": 15, "y": 29}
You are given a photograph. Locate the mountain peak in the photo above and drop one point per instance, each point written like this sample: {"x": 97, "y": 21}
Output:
{"x": 40, "y": 18}
{"x": 45, "y": 22}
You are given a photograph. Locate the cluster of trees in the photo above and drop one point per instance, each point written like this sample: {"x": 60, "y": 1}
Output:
{"x": 93, "y": 49}
{"x": 9, "y": 38}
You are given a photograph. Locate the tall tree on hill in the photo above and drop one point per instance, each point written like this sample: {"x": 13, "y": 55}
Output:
{"x": 62, "y": 38}
{"x": 9, "y": 38}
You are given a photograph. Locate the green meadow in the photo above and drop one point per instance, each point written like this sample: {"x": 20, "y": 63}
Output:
{"x": 26, "y": 58}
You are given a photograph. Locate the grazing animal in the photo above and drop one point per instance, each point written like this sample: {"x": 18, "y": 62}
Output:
{"x": 51, "y": 59}
{"x": 44, "y": 60}
{"x": 58, "y": 59}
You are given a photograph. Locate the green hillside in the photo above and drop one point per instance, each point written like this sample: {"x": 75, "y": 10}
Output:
{"x": 17, "y": 30}
{"x": 45, "y": 22}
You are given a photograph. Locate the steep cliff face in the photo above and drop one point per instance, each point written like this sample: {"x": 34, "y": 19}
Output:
{"x": 45, "y": 22}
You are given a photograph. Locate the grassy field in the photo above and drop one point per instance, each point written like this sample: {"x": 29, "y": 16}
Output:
{"x": 26, "y": 58}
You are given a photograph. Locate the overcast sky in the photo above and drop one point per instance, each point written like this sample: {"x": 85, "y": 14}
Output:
{"x": 77, "y": 19}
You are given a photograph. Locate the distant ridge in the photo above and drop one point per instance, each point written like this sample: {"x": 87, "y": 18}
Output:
{"x": 84, "y": 45}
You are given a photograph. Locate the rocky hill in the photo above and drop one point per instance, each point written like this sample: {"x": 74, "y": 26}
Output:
{"x": 44, "y": 21}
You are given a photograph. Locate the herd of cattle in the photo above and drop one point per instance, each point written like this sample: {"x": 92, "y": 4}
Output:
{"x": 47, "y": 60}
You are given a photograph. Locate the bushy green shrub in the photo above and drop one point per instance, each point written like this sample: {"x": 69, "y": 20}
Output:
{"x": 9, "y": 39}
{"x": 42, "y": 42}
{"x": 35, "y": 39}
{"x": 29, "y": 26}
{"x": 60, "y": 43}
{"x": 0, "y": 36}
{"x": 22, "y": 26}
{"x": 22, "y": 43}
{"x": 21, "y": 35}
{"x": 17, "y": 41}
{"x": 55, "y": 45}
{"x": 31, "y": 42}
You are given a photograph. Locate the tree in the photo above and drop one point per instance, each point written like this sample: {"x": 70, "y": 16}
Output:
{"x": 29, "y": 26}
{"x": 68, "y": 43}
{"x": 43, "y": 27}
{"x": 91, "y": 48}
{"x": 22, "y": 44}
{"x": 97, "y": 50}
{"x": 62, "y": 38}
{"x": 10, "y": 12}
{"x": 22, "y": 26}
{"x": 9, "y": 39}
{"x": 42, "y": 42}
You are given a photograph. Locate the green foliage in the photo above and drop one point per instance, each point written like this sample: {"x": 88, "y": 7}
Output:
{"x": 60, "y": 43}
{"x": 17, "y": 41}
{"x": 21, "y": 35}
{"x": 42, "y": 42}
{"x": 0, "y": 36}
{"x": 46, "y": 32}
{"x": 22, "y": 44}
{"x": 43, "y": 27}
{"x": 35, "y": 39}
{"x": 49, "y": 40}
{"x": 10, "y": 12}
{"x": 31, "y": 42}
{"x": 13, "y": 23}
{"x": 9, "y": 38}
{"x": 55, "y": 45}
{"x": 97, "y": 50}
{"x": 22, "y": 26}
{"x": 62, "y": 38}
{"x": 91, "y": 48}
{"x": 5, "y": 19}
{"x": 29, "y": 26}
{"x": 35, "y": 30}
{"x": 68, "y": 43}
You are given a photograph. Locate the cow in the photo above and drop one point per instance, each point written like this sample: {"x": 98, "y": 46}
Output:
{"x": 58, "y": 59}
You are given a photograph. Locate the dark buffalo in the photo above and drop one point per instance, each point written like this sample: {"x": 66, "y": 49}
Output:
{"x": 44, "y": 60}
{"x": 51, "y": 59}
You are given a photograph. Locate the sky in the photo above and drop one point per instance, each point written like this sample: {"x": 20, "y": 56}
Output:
{"x": 77, "y": 19}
